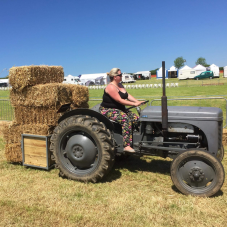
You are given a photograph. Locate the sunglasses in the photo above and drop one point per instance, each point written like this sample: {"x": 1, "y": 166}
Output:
{"x": 119, "y": 75}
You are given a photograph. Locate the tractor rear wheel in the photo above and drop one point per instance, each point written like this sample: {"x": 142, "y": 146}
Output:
{"x": 82, "y": 148}
{"x": 198, "y": 173}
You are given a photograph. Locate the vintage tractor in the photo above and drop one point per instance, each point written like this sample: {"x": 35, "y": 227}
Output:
{"x": 85, "y": 143}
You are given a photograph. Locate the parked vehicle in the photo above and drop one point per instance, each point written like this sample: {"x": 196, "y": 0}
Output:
{"x": 89, "y": 83}
{"x": 187, "y": 74}
{"x": 4, "y": 82}
{"x": 204, "y": 75}
{"x": 72, "y": 80}
{"x": 127, "y": 78}
{"x": 99, "y": 81}
{"x": 93, "y": 77}
{"x": 142, "y": 75}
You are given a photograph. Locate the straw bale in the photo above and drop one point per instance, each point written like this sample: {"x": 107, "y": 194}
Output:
{"x": 21, "y": 77}
{"x": 52, "y": 94}
{"x": 84, "y": 105}
{"x": 40, "y": 115}
{"x": 12, "y": 137}
{"x": 47, "y": 95}
{"x": 13, "y": 152}
{"x": 12, "y": 133}
{"x": 37, "y": 115}
{"x": 80, "y": 94}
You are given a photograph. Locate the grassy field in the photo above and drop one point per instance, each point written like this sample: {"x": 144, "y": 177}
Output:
{"x": 138, "y": 192}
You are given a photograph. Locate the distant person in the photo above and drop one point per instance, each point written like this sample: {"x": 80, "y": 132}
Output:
{"x": 113, "y": 107}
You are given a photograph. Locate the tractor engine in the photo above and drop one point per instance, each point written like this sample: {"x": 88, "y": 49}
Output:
{"x": 188, "y": 127}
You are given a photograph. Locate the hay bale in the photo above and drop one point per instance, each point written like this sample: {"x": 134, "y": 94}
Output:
{"x": 13, "y": 152}
{"x": 3, "y": 125}
{"x": 21, "y": 77}
{"x": 80, "y": 94}
{"x": 12, "y": 137}
{"x": 37, "y": 115}
{"x": 84, "y": 105}
{"x": 49, "y": 95}
{"x": 12, "y": 133}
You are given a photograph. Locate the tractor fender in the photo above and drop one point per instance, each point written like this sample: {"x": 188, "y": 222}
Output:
{"x": 88, "y": 112}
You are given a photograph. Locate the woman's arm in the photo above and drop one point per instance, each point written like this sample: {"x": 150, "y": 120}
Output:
{"x": 131, "y": 98}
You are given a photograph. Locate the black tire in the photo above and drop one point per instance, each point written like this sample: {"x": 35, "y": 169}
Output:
{"x": 197, "y": 173}
{"x": 83, "y": 149}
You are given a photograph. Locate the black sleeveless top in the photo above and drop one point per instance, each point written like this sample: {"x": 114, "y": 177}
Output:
{"x": 109, "y": 102}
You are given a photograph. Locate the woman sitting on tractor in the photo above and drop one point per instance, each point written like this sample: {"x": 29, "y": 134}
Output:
{"x": 113, "y": 107}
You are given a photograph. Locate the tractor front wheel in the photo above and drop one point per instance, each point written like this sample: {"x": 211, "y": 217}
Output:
{"x": 198, "y": 173}
{"x": 83, "y": 149}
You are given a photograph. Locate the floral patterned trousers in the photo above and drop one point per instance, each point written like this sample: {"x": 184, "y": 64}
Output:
{"x": 125, "y": 119}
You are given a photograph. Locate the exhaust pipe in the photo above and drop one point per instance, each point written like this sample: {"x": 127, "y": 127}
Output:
{"x": 164, "y": 104}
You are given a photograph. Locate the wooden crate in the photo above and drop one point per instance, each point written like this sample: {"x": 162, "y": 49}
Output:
{"x": 35, "y": 151}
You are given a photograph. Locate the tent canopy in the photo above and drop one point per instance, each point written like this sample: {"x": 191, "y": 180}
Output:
{"x": 185, "y": 68}
{"x": 173, "y": 68}
{"x": 93, "y": 76}
{"x": 199, "y": 67}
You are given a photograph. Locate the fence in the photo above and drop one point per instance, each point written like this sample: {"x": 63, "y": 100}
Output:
{"x": 156, "y": 83}
{"x": 139, "y": 86}
{"x": 189, "y": 101}
{"x": 5, "y": 88}
{"x": 7, "y": 111}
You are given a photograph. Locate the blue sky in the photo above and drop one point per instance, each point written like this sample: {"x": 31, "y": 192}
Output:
{"x": 93, "y": 36}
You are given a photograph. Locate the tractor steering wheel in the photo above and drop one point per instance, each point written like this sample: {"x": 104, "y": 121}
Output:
{"x": 138, "y": 107}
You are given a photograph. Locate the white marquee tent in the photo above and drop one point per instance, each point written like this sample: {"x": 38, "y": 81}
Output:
{"x": 85, "y": 78}
{"x": 215, "y": 70}
{"x": 199, "y": 69}
{"x": 159, "y": 73}
{"x": 173, "y": 72}
{"x": 183, "y": 70}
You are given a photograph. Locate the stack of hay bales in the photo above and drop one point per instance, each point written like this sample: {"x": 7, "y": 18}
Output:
{"x": 37, "y": 93}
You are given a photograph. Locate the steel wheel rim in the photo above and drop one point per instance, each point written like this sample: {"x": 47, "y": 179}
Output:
{"x": 67, "y": 163}
{"x": 203, "y": 168}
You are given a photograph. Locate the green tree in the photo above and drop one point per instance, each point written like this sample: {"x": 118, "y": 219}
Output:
{"x": 179, "y": 62}
{"x": 153, "y": 71}
{"x": 202, "y": 61}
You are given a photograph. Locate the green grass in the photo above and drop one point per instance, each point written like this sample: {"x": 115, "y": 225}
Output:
{"x": 137, "y": 192}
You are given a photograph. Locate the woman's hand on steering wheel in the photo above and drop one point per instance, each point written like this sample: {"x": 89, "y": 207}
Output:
{"x": 139, "y": 103}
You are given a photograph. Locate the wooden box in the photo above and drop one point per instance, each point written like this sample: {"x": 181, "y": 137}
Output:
{"x": 35, "y": 151}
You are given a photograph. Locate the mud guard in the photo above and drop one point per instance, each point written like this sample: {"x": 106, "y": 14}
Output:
{"x": 89, "y": 112}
